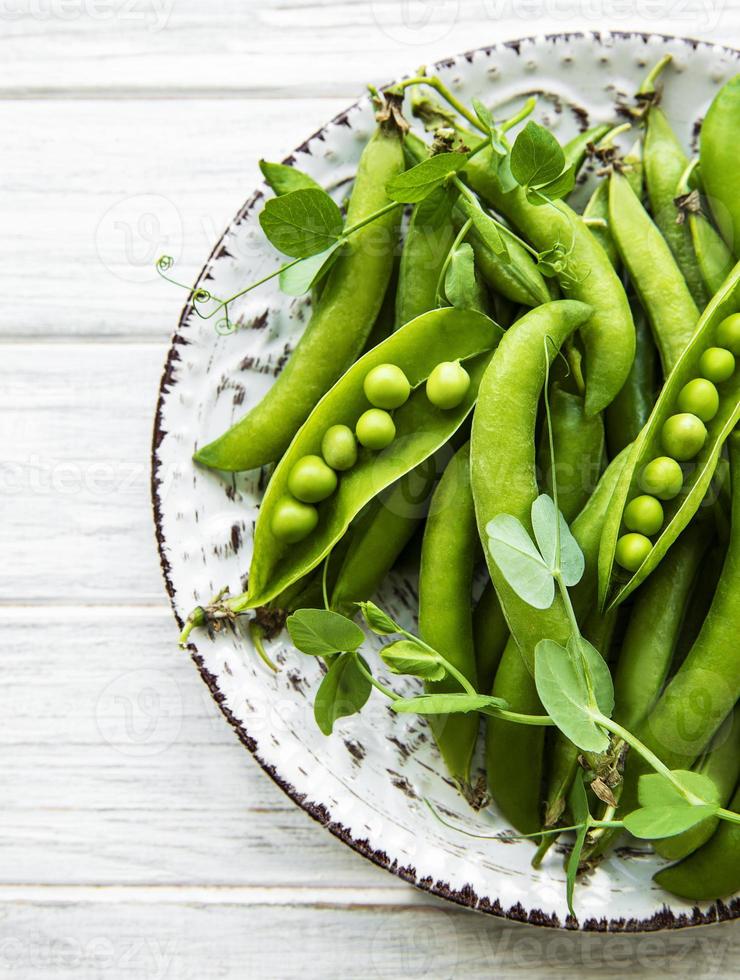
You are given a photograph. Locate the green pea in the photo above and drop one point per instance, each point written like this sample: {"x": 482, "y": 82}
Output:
{"x": 683, "y": 435}
{"x": 386, "y": 386}
{"x": 339, "y": 447}
{"x": 312, "y": 480}
{"x": 717, "y": 364}
{"x": 728, "y": 333}
{"x": 662, "y": 477}
{"x": 632, "y": 550}
{"x": 293, "y": 521}
{"x": 375, "y": 429}
{"x": 644, "y": 514}
{"x": 699, "y": 397}
{"x": 448, "y": 384}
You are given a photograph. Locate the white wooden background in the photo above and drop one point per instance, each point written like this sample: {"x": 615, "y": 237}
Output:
{"x": 129, "y": 128}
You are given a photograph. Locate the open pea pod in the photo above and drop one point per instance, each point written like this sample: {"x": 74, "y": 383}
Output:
{"x": 447, "y": 334}
{"x": 615, "y": 585}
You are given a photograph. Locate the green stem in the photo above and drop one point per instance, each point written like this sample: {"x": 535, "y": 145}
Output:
{"x": 371, "y": 217}
{"x": 728, "y": 815}
{"x": 538, "y": 721}
{"x": 196, "y": 618}
{"x": 257, "y": 636}
{"x": 648, "y": 86}
{"x": 684, "y": 186}
{"x": 525, "y": 111}
{"x": 441, "y": 89}
{"x": 376, "y": 683}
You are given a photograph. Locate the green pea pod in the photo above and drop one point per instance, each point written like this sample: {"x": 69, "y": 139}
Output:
{"x": 579, "y": 451}
{"x": 596, "y": 212}
{"x": 340, "y": 324}
{"x": 428, "y": 240}
{"x": 381, "y": 535}
{"x": 711, "y": 872}
{"x": 504, "y": 473}
{"x": 490, "y": 633}
{"x": 705, "y": 688}
{"x": 587, "y": 275}
{"x": 625, "y": 417}
{"x": 659, "y": 283}
{"x": 719, "y": 164}
{"x": 421, "y": 428}
{"x": 721, "y": 764}
{"x": 576, "y": 149}
{"x": 665, "y": 162}
{"x": 448, "y": 556}
{"x": 648, "y": 446}
{"x": 654, "y": 628}
{"x": 514, "y": 753}
{"x": 714, "y": 258}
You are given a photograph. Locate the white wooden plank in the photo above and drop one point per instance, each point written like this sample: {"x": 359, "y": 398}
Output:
{"x": 119, "y": 769}
{"x": 96, "y": 191}
{"x": 283, "y": 48}
{"x": 76, "y": 432}
{"x": 91, "y": 940}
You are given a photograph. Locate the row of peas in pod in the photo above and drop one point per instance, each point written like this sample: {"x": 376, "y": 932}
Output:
{"x": 682, "y": 437}
{"x": 314, "y": 478}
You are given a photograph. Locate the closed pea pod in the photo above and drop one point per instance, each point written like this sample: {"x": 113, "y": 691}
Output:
{"x": 380, "y": 536}
{"x": 340, "y": 323}
{"x": 659, "y": 283}
{"x": 649, "y": 470}
{"x": 626, "y": 416}
{"x": 514, "y": 753}
{"x": 721, "y": 765}
{"x": 713, "y": 257}
{"x": 445, "y": 604}
{"x": 718, "y": 161}
{"x": 596, "y": 212}
{"x": 665, "y": 162}
{"x": 490, "y": 634}
{"x": 609, "y": 334}
{"x": 579, "y": 451}
{"x": 428, "y": 240}
{"x": 654, "y": 628}
{"x": 420, "y": 430}
{"x": 504, "y": 472}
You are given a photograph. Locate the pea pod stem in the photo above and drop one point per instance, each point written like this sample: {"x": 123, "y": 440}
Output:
{"x": 432, "y": 81}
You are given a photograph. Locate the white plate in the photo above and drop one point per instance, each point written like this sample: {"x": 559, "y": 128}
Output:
{"x": 366, "y": 782}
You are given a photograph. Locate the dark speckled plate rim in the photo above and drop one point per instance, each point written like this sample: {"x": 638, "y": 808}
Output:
{"x": 466, "y": 897}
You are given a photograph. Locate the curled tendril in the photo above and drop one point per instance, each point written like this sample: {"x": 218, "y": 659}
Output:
{"x": 199, "y": 296}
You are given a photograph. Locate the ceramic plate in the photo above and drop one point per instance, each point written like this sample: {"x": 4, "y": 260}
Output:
{"x": 366, "y": 782}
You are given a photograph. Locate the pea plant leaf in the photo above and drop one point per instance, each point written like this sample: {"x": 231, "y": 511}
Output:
{"x": 519, "y": 561}
{"x": 378, "y": 620}
{"x": 449, "y": 704}
{"x": 506, "y": 178}
{"x": 667, "y": 820}
{"x": 302, "y": 223}
{"x": 298, "y": 279}
{"x": 343, "y": 691}
{"x": 436, "y": 209}
{"x": 536, "y": 156}
{"x": 417, "y": 183}
{"x": 484, "y": 114}
{"x": 654, "y": 789}
{"x": 408, "y": 657}
{"x": 538, "y": 165}
{"x": 544, "y": 517}
{"x": 488, "y": 231}
{"x": 283, "y": 179}
{"x": 565, "y": 692}
{"x": 321, "y": 632}
{"x": 554, "y": 189}
{"x": 461, "y": 286}
{"x": 578, "y": 802}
